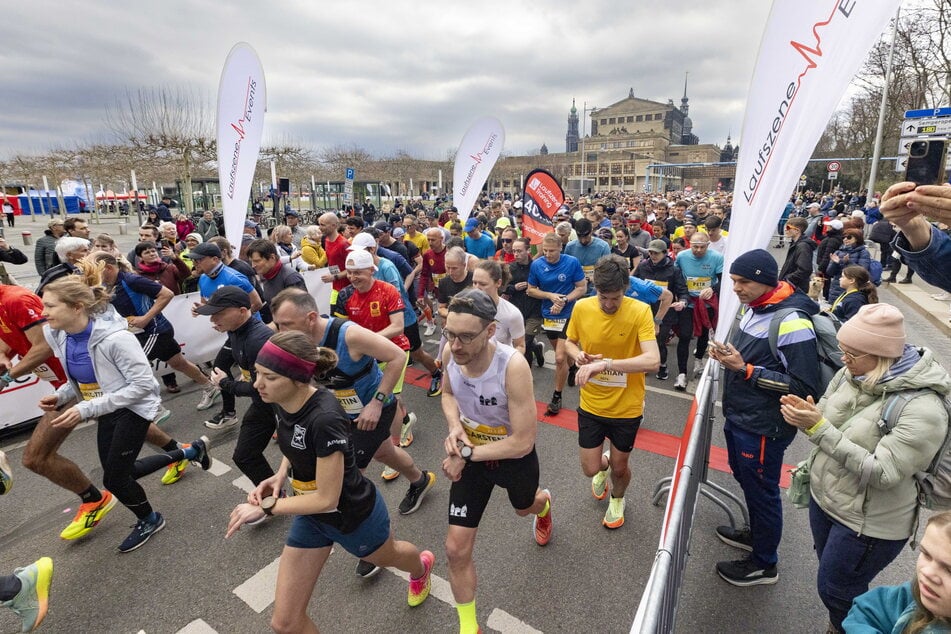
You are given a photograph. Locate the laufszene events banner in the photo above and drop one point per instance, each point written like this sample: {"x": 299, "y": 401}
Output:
{"x": 810, "y": 51}
{"x": 477, "y": 154}
{"x": 242, "y": 102}
{"x": 540, "y": 200}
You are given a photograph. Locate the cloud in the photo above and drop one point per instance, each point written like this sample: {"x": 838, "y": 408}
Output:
{"x": 386, "y": 76}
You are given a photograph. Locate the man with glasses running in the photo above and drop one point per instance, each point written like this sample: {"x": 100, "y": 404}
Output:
{"x": 490, "y": 408}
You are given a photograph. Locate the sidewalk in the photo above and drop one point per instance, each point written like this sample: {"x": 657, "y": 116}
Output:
{"x": 918, "y": 295}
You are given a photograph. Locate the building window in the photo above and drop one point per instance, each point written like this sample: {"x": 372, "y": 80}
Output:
{"x": 630, "y": 119}
{"x": 612, "y": 120}
{"x": 639, "y": 117}
{"x": 604, "y": 121}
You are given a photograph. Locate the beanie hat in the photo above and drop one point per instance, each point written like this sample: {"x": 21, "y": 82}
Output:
{"x": 757, "y": 266}
{"x": 877, "y": 329}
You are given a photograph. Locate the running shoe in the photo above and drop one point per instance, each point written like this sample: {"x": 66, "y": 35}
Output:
{"x": 740, "y": 538}
{"x": 415, "y": 494}
{"x": 599, "y": 483}
{"x": 419, "y": 588}
{"x": 163, "y": 415}
{"x": 173, "y": 388}
{"x": 539, "y": 354}
{"x": 176, "y": 470}
{"x": 435, "y": 385}
{"x": 746, "y": 572}
{"x": 208, "y": 397}
{"x": 681, "y": 383}
{"x": 32, "y": 601}
{"x": 142, "y": 532}
{"x": 430, "y": 329}
{"x": 366, "y": 570}
{"x": 555, "y": 406}
{"x": 542, "y": 526}
{"x": 201, "y": 458}
{"x": 572, "y": 371}
{"x": 389, "y": 474}
{"x": 614, "y": 516}
{"x": 88, "y": 516}
{"x": 222, "y": 420}
{"x": 662, "y": 373}
{"x": 406, "y": 433}
{"x": 6, "y": 474}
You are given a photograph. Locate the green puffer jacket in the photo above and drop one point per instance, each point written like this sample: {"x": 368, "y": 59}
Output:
{"x": 887, "y": 507}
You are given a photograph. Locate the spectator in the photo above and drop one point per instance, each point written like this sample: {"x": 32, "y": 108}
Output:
{"x": 11, "y": 254}
{"x": 859, "y": 291}
{"x": 70, "y": 251}
{"x": 207, "y": 226}
{"x": 864, "y": 495}
{"x": 311, "y": 251}
{"x": 9, "y": 212}
{"x": 853, "y": 251}
{"x": 184, "y": 226}
{"x": 797, "y": 269}
{"x": 171, "y": 274}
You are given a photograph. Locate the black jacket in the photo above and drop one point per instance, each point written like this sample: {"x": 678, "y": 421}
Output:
{"x": 829, "y": 245}
{"x": 665, "y": 274}
{"x": 797, "y": 269}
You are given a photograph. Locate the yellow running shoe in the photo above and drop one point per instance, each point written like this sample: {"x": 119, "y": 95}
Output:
{"x": 614, "y": 517}
{"x": 88, "y": 516}
{"x": 419, "y": 588}
{"x": 32, "y": 601}
{"x": 175, "y": 471}
{"x": 599, "y": 483}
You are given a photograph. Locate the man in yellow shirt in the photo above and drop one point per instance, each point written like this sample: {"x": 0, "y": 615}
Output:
{"x": 411, "y": 226}
{"x": 612, "y": 389}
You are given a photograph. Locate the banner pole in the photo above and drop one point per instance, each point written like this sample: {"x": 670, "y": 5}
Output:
{"x": 877, "y": 153}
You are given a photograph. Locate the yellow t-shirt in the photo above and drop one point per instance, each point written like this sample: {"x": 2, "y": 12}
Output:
{"x": 420, "y": 240}
{"x": 618, "y": 336}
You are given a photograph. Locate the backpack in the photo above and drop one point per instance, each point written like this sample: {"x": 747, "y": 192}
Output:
{"x": 875, "y": 272}
{"x": 826, "y": 326}
{"x": 934, "y": 483}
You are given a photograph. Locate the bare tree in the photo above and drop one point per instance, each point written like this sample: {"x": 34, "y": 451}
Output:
{"x": 167, "y": 126}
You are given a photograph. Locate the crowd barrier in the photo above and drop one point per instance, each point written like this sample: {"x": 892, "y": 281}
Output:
{"x": 199, "y": 341}
{"x": 658, "y": 606}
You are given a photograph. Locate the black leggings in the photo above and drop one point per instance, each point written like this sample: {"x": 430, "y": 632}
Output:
{"x": 684, "y": 322}
{"x": 9, "y": 587}
{"x": 223, "y": 361}
{"x": 120, "y": 436}
{"x": 257, "y": 427}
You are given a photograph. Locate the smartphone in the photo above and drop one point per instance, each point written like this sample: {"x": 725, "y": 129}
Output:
{"x": 926, "y": 162}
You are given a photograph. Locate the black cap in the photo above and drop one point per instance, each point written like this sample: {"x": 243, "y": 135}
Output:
{"x": 383, "y": 226}
{"x": 474, "y": 302}
{"x": 204, "y": 250}
{"x": 225, "y": 297}
{"x": 583, "y": 227}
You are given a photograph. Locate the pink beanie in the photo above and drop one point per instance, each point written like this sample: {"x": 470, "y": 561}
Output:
{"x": 877, "y": 329}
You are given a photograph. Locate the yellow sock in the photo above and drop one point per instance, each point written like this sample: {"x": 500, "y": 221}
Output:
{"x": 545, "y": 510}
{"x": 467, "y": 618}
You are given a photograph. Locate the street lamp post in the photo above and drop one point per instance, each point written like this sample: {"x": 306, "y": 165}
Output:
{"x": 584, "y": 124}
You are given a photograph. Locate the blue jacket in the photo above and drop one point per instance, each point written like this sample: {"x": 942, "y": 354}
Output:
{"x": 927, "y": 262}
{"x": 847, "y": 256}
{"x": 752, "y": 403}
{"x": 885, "y": 610}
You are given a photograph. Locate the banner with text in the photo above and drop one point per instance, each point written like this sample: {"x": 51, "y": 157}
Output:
{"x": 540, "y": 200}
{"x": 242, "y": 102}
{"x": 199, "y": 341}
{"x": 809, "y": 53}
{"x": 478, "y": 152}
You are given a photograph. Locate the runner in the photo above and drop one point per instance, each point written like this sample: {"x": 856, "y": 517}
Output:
{"x": 490, "y": 408}
{"x": 335, "y": 245}
{"x": 530, "y": 308}
{"x": 431, "y": 273}
{"x": 612, "y": 390}
{"x": 660, "y": 269}
{"x": 112, "y": 381}
{"x": 489, "y": 277}
{"x": 702, "y": 269}
{"x": 558, "y": 281}
{"x": 333, "y": 501}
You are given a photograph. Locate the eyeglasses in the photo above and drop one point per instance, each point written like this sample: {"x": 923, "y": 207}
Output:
{"x": 849, "y": 357}
{"x": 507, "y": 239}
{"x": 465, "y": 337}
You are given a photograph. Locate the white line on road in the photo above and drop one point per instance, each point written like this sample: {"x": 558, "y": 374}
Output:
{"x": 258, "y": 591}
{"x": 244, "y": 484}
{"x": 197, "y": 627}
{"x": 218, "y": 468}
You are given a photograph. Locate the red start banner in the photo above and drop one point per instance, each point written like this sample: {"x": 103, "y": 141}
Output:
{"x": 542, "y": 197}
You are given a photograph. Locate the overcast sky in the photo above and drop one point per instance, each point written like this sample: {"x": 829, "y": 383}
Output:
{"x": 383, "y": 75}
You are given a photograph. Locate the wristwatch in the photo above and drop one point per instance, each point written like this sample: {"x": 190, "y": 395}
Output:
{"x": 267, "y": 505}
{"x": 380, "y": 396}
{"x": 466, "y": 452}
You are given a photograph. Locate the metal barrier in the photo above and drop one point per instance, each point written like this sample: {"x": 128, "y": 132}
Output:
{"x": 658, "y": 607}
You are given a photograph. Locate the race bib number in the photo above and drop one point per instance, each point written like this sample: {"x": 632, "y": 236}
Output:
{"x": 45, "y": 372}
{"x": 660, "y": 283}
{"x": 349, "y": 401}
{"x": 90, "y": 391}
{"x": 480, "y": 434}
{"x": 697, "y": 284}
{"x": 588, "y": 270}
{"x": 609, "y": 378}
{"x": 556, "y": 325}
{"x": 303, "y": 488}
{"x": 334, "y": 270}
{"x": 437, "y": 277}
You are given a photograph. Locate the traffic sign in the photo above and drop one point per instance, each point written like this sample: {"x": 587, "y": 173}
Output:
{"x": 802, "y": 180}
{"x": 901, "y": 163}
{"x": 931, "y": 126}
{"x": 350, "y": 173}
{"x": 834, "y": 166}
{"x": 833, "y": 176}
{"x": 931, "y": 112}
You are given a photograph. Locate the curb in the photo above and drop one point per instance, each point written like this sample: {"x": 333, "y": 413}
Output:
{"x": 937, "y": 313}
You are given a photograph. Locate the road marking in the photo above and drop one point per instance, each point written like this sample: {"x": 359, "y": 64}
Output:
{"x": 507, "y": 624}
{"x": 244, "y": 484}
{"x": 197, "y": 627}
{"x": 218, "y": 468}
{"x": 258, "y": 591}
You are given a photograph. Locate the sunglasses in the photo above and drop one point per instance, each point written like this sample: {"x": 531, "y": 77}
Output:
{"x": 506, "y": 239}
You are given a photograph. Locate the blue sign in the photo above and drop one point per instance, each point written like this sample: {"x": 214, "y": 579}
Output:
{"x": 934, "y": 112}
{"x": 350, "y": 169}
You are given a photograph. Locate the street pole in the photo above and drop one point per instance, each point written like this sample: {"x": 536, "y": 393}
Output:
{"x": 876, "y": 155}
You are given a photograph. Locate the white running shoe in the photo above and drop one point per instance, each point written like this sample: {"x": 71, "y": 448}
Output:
{"x": 208, "y": 397}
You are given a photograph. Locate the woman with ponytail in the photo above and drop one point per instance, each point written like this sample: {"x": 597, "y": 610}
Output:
{"x": 856, "y": 282}
{"x": 333, "y": 502}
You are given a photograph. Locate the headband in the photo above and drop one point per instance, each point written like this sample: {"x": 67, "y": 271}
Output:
{"x": 286, "y": 364}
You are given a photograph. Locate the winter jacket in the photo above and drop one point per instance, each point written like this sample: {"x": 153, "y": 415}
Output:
{"x": 886, "y": 610}
{"x": 751, "y": 396}
{"x": 847, "y": 256}
{"x": 882, "y": 232}
{"x": 797, "y": 269}
{"x": 847, "y": 304}
{"x": 886, "y": 508}
{"x": 931, "y": 262}
{"x": 829, "y": 245}
{"x": 44, "y": 254}
{"x": 665, "y": 274}
{"x": 207, "y": 228}
{"x": 122, "y": 370}
{"x": 312, "y": 253}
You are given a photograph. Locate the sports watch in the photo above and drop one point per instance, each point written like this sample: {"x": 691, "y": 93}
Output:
{"x": 267, "y": 505}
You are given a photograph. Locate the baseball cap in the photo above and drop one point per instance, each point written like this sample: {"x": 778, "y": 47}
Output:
{"x": 362, "y": 241}
{"x": 834, "y": 224}
{"x": 383, "y": 226}
{"x": 250, "y": 224}
{"x": 472, "y": 224}
{"x": 502, "y": 223}
{"x": 813, "y": 206}
{"x": 225, "y": 297}
{"x": 359, "y": 259}
{"x": 657, "y": 246}
{"x": 291, "y": 212}
{"x": 399, "y": 232}
{"x": 205, "y": 250}
{"x": 518, "y": 204}
{"x": 583, "y": 228}
{"x": 476, "y": 303}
